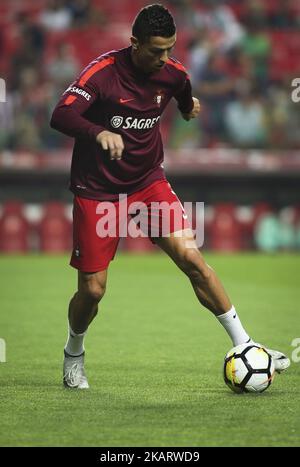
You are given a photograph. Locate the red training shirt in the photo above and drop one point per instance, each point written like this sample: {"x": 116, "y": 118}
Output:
{"x": 112, "y": 94}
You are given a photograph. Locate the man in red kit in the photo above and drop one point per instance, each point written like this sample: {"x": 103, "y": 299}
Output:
{"x": 113, "y": 111}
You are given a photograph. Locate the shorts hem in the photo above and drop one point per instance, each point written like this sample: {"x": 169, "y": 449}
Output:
{"x": 94, "y": 268}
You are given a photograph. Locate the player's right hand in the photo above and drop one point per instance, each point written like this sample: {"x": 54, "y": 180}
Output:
{"x": 111, "y": 142}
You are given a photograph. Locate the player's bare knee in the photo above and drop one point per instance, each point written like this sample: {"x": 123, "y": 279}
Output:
{"x": 195, "y": 267}
{"x": 188, "y": 260}
{"x": 92, "y": 291}
{"x": 92, "y": 287}
{"x": 204, "y": 273}
{"x": 95, "y": 292}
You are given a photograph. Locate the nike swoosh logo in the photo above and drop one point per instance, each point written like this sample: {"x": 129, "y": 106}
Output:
{"x": 123, "y": 101}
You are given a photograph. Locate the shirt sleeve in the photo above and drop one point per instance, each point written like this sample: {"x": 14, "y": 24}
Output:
{"x": 67, "y": 115}
{"x": 184, "y": 97}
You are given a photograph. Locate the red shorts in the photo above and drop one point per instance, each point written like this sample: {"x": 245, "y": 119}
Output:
{"x": 152, "y": 212}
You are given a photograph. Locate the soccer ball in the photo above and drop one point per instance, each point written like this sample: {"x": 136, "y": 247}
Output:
{"x": 248, "y": 368}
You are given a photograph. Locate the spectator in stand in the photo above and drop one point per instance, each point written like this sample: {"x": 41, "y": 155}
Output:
{"x": 225, "y": 30}
{"x": 184, "y": 13}
{"x": 200, "y": 49}
{"x": 31, "y": 111}
{"x": 32, "y": 33}
{"x": 255, "y": 13}
{"x": 283, "y": 116}
{"x": 83, "y": 14}
{"x": 184, "y": 136}
{"x": 285, "y": 16}
{"x": 293, "y": 133}
{"x": 240, "y": 66}
{"x": 215, "y": 89}
{"x": 23, "y": 58}
{"x": 246, "y": 120}
{"x": 7, "y": 122}
{"x": 56, "y": 17}
{"x": 63, "y": 67}
{"x": 279, "y": 108}
{"x": 257, "y": 45}
{"x": 29, "y": 54}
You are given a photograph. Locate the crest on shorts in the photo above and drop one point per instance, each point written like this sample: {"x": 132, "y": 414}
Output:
{"x": 158, "y": 97}
{"x": 77, "y": 252}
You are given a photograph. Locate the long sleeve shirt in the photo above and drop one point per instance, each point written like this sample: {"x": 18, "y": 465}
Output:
{"x": 112, "y": 94}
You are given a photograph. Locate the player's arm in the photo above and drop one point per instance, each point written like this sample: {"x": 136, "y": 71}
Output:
{"x": 68, "y": 117}
{"x": 188, "y": 105}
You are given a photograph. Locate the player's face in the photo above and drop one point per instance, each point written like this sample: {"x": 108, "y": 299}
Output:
{"x": 152, "y": 55}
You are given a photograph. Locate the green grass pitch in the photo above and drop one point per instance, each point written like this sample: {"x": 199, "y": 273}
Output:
{"x": 154, "y": 356}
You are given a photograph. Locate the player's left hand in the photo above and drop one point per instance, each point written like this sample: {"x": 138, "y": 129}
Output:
{"x": 195, "y": 112}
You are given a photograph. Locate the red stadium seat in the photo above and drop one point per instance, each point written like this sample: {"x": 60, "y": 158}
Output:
{"x": 245, "y": 217}
{"x": 117, "y": 11}
{"x": 14, "y": 229}
{"x": 297, "y": 213}
{"x": 225, "y": 230}
{"x": 285, "y": 49}
{"x": 55, "y": 229}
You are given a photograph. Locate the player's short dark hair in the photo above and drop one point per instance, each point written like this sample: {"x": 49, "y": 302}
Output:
{"x": 153, "y": 20}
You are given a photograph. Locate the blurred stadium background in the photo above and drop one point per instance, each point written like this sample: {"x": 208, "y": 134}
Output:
{"x": 241, "y": 157}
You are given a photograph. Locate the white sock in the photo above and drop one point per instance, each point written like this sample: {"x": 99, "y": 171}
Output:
{"x": 232, "y": 324}
{"x": 74, "y": 345}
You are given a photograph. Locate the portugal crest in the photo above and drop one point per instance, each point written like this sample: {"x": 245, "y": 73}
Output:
{"x": 116, "y": 121}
